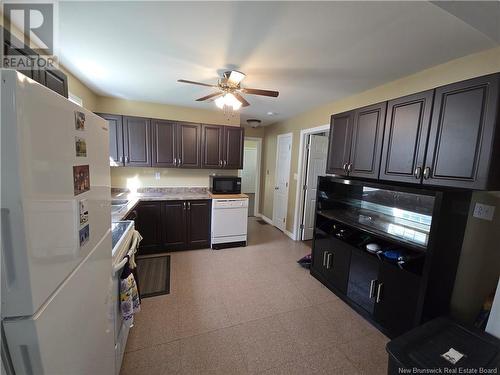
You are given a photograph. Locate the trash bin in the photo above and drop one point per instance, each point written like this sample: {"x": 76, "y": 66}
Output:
{"x": 442, "y": 346}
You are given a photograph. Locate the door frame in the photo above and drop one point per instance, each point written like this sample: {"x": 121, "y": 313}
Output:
{"x": 301, "y": 178}
{"x": 257, "y": 173}
{"x": 276, "y": 173}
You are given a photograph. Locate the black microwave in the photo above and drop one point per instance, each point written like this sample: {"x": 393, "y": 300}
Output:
{"x": 225, "y": 184}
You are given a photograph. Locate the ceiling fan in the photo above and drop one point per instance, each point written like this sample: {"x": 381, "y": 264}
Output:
{"x": 230, "y": 90}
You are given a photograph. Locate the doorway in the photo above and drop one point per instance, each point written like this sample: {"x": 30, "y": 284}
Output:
{"x": 282, "y": 180}
{"x": 312, "y": 163}
{"x": 250, "y": 174}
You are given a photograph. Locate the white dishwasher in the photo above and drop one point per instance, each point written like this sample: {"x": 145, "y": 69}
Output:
{"x": 229, "y": 222}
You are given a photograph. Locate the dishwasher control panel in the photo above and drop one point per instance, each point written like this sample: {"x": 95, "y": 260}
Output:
{"x": 229, "y": 203}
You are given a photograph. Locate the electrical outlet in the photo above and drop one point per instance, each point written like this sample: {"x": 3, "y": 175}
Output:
{"x": 483, "y": 211}
{"x": 157, "y": 175}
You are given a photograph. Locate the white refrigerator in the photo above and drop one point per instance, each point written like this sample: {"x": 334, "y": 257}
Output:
{"x": 57, "y": 317}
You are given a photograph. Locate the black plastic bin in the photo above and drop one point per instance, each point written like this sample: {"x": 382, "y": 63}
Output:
{"x": 420, "y": 350}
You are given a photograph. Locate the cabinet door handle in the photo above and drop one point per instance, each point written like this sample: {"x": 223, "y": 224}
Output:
{"x": 427, "y": 173}
{"x": 175, "y": 162}
{"x": 220, "y": 163}
{"x": 345, "y": 167}
{"x": 225, "y": 163}
{"x": 379, "y": 292}
{"x": 418, "y": 172}
{"x": 179, "y": 161}
{"x": 127, "y": 160}
{"x": 349, "y": 167}
{"x": 372, "y": 288}
{"x": 189, "y": 205}
{"x": 325, "y": 253}
{"x": 329, "y": 261}
{"x": 184, "y": 205}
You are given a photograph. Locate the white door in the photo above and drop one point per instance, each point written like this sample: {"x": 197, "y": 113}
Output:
{"x": 249, "y": 171}
{"x": 282, "y": 180}
{"x": 316, "y": 166}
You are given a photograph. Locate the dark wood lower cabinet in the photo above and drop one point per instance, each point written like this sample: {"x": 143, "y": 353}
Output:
{"x": 362, "y": 280}
{"x": 396, "y": 299}
{"x": 148, "y": 222}
{"x": 172, "y": 225}
{"x": 198, "y": 218}
{"x": 332, "y": 259}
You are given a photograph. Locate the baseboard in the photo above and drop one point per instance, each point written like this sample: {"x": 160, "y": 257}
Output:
{"x": 289, "y": 234}
{"x": 269, "y": 221}
{"x": 266, "y": 219}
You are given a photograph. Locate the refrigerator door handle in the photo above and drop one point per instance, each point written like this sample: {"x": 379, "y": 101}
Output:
{"x": 9, "y": 268}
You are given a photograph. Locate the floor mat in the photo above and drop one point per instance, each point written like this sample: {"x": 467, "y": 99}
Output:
{"x": 154, "y": 275}
{"x": 262, "y": 222}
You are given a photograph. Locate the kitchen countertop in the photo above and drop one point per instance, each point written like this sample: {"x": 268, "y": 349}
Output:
{"x": 154, "y": 194}
{"x": 227, "y": 196}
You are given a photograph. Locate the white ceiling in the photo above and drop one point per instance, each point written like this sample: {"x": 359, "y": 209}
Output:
{"x": 313, "y": 53}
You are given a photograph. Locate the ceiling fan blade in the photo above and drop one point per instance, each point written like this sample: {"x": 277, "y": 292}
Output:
{"x": 213, "y": 95}
{"x": 274, "y": 94}
{"x": 236, "y": 77}
{"x": 195, "y": 83}
{"x": 242, "y": 100}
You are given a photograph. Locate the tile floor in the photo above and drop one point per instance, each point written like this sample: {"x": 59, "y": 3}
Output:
{"x": 250, "y": 310}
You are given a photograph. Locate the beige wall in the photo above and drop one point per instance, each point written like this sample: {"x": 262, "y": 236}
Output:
{"x": 479, "y": 267}
{"x": 456, "y": 70}
{"x": 254, "y": 132}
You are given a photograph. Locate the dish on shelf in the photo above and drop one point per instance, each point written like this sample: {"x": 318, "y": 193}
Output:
{"x": 373, "y": 247}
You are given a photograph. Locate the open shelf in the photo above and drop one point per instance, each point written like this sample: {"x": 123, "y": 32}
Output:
{"x": 348, "y": 218}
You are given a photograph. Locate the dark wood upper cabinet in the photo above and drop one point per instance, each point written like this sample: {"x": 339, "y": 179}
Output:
{"x": 163, "y": 143}
{"x": 188, "y": 145}
{"x": 199, "y": 213}
{"x": 463, "y": 149}
{"x": 222, "y": 146}
{"x": 367, "y": 136}
{"x": 53, "y": 79}
{"x": 339, "y": 146}
{"x": 137, "y": 141}
{"x": 56, "y": 81}
{"x": 211, "y": 145}
{"x": 116, "y": 157}
{"x": 174, "y": 225}
{"x": 449, "y": 136}
{"x": 233, "y": 147}
{"x": 406, "y": 129}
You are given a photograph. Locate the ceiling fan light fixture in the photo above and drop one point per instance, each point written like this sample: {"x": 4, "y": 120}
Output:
{"x": 235, "y": 77}
{"x": 228, "y": 100}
